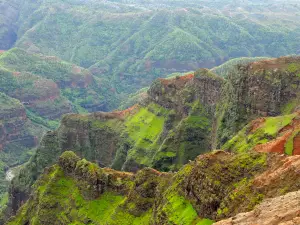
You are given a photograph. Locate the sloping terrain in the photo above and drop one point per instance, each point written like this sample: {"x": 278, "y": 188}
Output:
{"x": 180, "y": 118}
{"x": 282, "y": 210}
{"x": 36, "y": 90}
{"x": 66, "y": 57}
{"x": 130, "y": 43}
{"x": 214, "y": 186}
{"x": 270, "y": 134}
{"x": 141, "y": 136}
{"x": 17, "y": 136}
{"x": 37, "y": 80}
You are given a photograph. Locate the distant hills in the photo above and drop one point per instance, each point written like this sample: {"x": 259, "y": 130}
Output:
{"x": 127, "y": 44}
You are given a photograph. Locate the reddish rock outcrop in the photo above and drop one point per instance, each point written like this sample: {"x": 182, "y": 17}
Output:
{"x": 291, "y": 131}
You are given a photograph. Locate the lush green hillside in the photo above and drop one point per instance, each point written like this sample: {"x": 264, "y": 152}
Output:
{"x": 180, "y": 118}
{"x": 18, "y": 135}
{"x": 36, "y": 90}
{"x": 215, "y": 186}
{"x": 130, "y": 43}
{"x": 230, "y": 66}
{"x": 81, "y": 56}
{"x": 35, "y": 77}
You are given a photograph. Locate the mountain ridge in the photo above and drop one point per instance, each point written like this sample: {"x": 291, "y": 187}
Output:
{"x": 180, "y": 119}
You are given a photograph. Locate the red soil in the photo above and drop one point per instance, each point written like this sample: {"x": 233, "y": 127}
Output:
{"x": 76, "y": 69}
{"x": 279, "y": 63}
{"x": 297, "y": 145}
{"x": 125, "y": 112}
{"x": 177, "y": 80}
{"x": 278, "y": 144}
{"x": 16, "y": 74}
{"x": 255, "y": 124}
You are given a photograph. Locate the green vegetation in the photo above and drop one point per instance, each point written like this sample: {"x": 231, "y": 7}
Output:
{"x": 122, "y": 193}
{"x": 136, "y": 42}
{"x": 246, "y": 139}
{"x": 230, "y": 66}
{"x": 7, "y": 103}
{"x": 176, "y": 208}
{"x": 290, "y": 106}
{"x": 143, "y": 130}
{"x": 32, "y": 77}
{"x": 275, "y": 124}
{"x": 54, "y": 189}
{"x": 180, "y": 211}
{"x": 289, "y": 146}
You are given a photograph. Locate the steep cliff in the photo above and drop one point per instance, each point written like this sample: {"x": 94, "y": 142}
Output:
{"x": 13, "y": 123}
{"x": 263, "y": 88}
{"x": 216, "y": 185}
{"x": 179, "y": 119}
{"x": 141, "y": 136}
{"x": 17, "y": 135}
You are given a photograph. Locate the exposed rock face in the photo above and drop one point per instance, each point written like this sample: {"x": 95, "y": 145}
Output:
{"x": 88, "y": 139}
{"x": 13, "y": 124}
{"x": 176, "y": 93}
{"x": 95, "y": 143}
{"x": 283, "y": 210}
{"x": 182, "y": 118}
{"x": 45, "y": 99}
{"x": 93, "y": 182}
{"x": 261, "y": 88}
{"x": 216, "y": 185}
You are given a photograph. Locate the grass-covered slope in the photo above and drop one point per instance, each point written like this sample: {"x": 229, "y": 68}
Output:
{"x": 180, "y": 118}
{"x": 36, "y": 90}
{"x": 271, "y": 134}
{"x": 164, "y": 132}
{"x": 102, "y": 196}
{"x": 216, "y": 185}
{"x": 38, "y": 80}
{"x": 130, "y": 43}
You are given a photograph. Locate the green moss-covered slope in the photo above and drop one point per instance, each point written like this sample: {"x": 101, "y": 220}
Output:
{"x": 214, "y": 186}
{"x": 18, "y": 135}
{"x": 38, "y": 80}
{"x": 180, "y": 118}
{"x": 100, "y": 196}
{"x": 137, "y": 41}
{"x": 258, "y": 89}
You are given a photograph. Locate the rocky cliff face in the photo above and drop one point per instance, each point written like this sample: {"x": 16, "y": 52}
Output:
{"x": 17, "y": 136}
{"x": 181, "y": 118}
{"x": 13, "y": 124}
{"x": 121, "y": 139}
{"x": 203, "y": 86}
{"x": 264, "y": 88}
{"x": 216, "y": 185}
{"x": 283, "y": 210}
